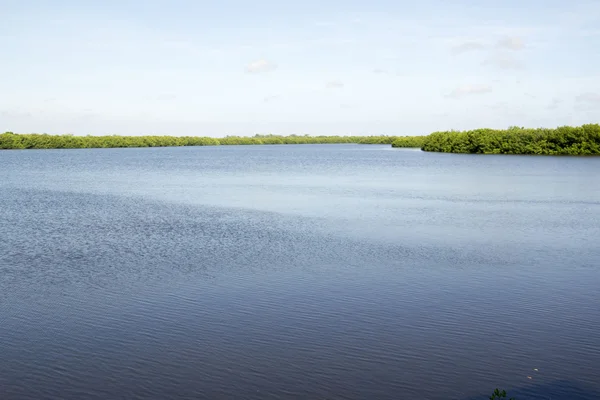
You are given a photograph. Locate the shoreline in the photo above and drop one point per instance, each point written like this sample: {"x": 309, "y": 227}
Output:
{"x": 582, "y": 140}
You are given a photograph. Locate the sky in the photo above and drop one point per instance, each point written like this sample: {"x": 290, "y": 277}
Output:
{"x": 339, "y": 67}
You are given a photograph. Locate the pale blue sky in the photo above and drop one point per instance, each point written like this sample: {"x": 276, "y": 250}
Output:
{"x": 213, "y": 68}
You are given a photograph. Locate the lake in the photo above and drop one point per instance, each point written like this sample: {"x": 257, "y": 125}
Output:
{"x": 298, "y": 271}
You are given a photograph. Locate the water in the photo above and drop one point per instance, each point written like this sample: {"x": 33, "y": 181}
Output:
{"x": 320, "y": 271}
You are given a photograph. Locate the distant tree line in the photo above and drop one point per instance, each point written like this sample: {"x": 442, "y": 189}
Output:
{"x": 409, "y": 141}
{"x": 395, "y": 141}
{"x": 564, "y": 140}
{"x": 43, "y": 141}
{"x": 11, "y": 140}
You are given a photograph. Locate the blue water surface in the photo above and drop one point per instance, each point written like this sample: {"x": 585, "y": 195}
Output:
{"x": 298, "y": 271}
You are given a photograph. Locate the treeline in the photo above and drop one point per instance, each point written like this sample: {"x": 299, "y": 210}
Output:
{"x": 564, "y": 140}
{"x": 409, "y": 141}
{"x": 11, "y": 140}
{"x": 395, "y": 141}
{"x": 291, "y": 139}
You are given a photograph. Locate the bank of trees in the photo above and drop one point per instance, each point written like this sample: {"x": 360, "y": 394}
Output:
{"x": 11, "y": 140}
{"x": 42, "y": 141}
{"x": 564, "y": 140}
{"x": 409, "y": 141}
{"x": 377, "y": 140}
{"x": 291, "y": 139}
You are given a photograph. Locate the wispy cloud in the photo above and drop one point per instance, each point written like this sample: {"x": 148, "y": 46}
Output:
{"x": 589, "y": 97}
{"x": 467, "y": 46}
{"x": 508, "y": 109}
{"x": 504, "y": 61}
{"x": 271, "y": 98}
{"x": 510, "y": 43}
{"x": 261, "y": 65}
{"x": 334, "y": 85}
{"x": 165, "y": 96}
{"x": 554, "y": 104}
{"x": 468, "y": 90}
{"x": 379, "y": 71}
{"x": 16, "y": 114}
{"x": 502, "y": 105}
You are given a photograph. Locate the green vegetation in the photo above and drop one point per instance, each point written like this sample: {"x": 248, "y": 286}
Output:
{"x": 291, "y": 139}
{"x": 11, "y": 140}
{"x": 409, "y": 141}
{"x": 377, "y": 140}
{"x": 499, "y": 394}
{"x": 395, "y": 141}
{"x": 35, "y": 141}
{"x": 565, "y": 140}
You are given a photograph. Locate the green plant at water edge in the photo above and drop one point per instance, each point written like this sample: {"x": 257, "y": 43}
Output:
{"x": 409, "y": 141}
{"x": 11, "y": 140}
{"x": 498, "y": 394}
{"x": 564, "y": 140}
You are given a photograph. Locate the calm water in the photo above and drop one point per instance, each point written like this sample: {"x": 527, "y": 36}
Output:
{"x": 305, "y": 272}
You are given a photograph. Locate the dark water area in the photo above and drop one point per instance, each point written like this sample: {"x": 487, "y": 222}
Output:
{"x": 301, "y": 272}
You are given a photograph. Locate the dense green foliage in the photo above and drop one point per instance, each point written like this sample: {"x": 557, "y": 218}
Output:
{"x": 291, "y": 139}
{"x": 395, "y": 141}
{"x": 565, "y": 140}
{"x": 409, "y": 141}
{"x": 35, "y": 141}
{"x": 377, "y": 140}
{"x": 10, "y": 140}
{"x": 499, "y": 394}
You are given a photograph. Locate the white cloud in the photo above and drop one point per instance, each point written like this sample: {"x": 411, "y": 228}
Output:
{"x": 502, "y": 106}
{"x": 334, "y": 85}
{"x": 379, "y": 71}
{"x": 16, "y": 114}
{"x": 554, "y": 104}
{"x": 504, "y": 61}
{"x": 588, "y": 97}
{"x": 511, "y": 43}
{"x": 261, "y": 65}
{"x": 468, "y": 90}
{"x": 165, "y": 96}
{"x": 269, "y": 99}
{"x": 467, "y": 46}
